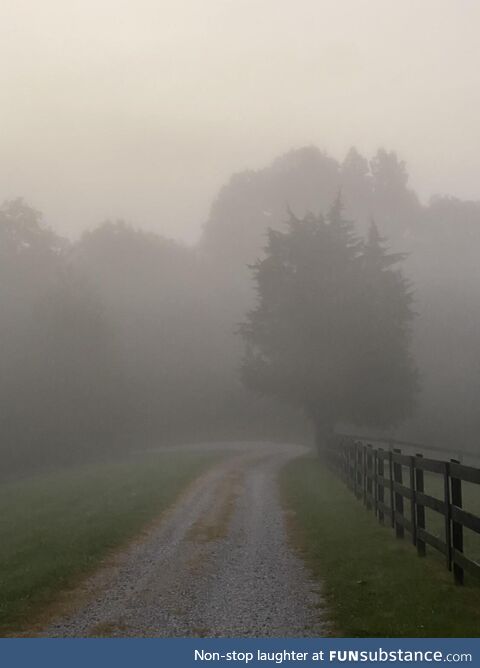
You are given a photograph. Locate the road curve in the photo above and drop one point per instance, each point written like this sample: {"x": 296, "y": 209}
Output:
{"x": 217, "y": 564}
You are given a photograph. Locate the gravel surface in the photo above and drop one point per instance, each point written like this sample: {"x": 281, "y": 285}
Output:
{"x": 217, "y": 564}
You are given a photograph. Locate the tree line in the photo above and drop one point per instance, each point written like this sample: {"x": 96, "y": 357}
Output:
{"x": 113, "y": 342}
{"x": 125, "y": 339}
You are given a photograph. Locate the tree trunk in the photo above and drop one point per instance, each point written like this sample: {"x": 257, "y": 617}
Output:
{"x": 324, "y": 430}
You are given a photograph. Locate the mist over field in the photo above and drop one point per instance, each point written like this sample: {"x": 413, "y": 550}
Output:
{"x": 160, "y": 144}
{"x": 125, "y": 338}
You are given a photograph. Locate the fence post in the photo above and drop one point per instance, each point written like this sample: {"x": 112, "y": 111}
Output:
{"x": 413, "y": 501}
{"x": 364, "y": 477}
{"x": 369, "y": 475}
{"x": 351, "y": 463}
{"x": 392, "y": 504}
{"x": 457, "y": 528}
{"x": 397, "y": 474}
{"x": 419, "y": 484}
{"x": 448, "y": 515}
{"x": 347, "y": 464}
{"x": 359, "y": 470}
{"x": 355, "y": 468}
{"x": 381, "y": 488}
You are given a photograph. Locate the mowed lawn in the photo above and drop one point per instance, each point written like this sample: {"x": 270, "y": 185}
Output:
{"x": 374, "y": 584}
{"x": 55, "y": 528}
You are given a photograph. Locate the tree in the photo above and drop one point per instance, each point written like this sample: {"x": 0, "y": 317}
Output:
{"x": 386, "y": 366}
{"x": 327, "y": 304}
{"x": 357, "y": 187}
{"x": 60, "y": 380}
{"x": 30, "y": 255}
{"x": 394, "y": 203}
{"x": 167, "y": 327}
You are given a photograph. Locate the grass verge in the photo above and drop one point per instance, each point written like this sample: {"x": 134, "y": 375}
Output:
{"x": 375, "y": 585}
{"x": 56, "y": 528}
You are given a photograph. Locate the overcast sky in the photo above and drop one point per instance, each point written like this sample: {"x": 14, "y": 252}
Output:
{"x": 143, "y": 108}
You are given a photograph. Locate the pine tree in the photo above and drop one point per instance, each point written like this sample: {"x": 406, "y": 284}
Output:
{"x": 330, "y": 331}
{"x": 385, "y": 357}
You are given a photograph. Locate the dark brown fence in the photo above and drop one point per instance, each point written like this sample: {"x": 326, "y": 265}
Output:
{"x": 401, "y": 489}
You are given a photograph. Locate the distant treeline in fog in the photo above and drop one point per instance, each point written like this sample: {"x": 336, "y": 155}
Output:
{"x": 127, "y": 340}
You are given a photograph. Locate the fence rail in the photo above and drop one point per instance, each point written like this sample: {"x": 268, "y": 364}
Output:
{"x": 412, "y": 447}
{"x": 393, "y": 485}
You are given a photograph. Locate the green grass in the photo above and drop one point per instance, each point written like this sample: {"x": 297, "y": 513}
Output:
{"x": 56, "y": 528}
{"x": 375, "y": 585}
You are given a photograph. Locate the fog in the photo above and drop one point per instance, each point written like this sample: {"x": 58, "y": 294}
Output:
{"x": 155, "y": 145}
{"x": 143, "y": 111}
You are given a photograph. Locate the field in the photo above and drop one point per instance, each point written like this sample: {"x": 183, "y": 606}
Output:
{"x": 375, "y": 585}
{"x": 56, "y": 528}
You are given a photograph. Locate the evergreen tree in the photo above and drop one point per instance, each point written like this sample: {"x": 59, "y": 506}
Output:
{"x": 330, "y": 331}
{"x": 385, "y": 360}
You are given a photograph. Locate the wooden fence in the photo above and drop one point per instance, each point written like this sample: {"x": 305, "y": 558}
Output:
{"x": 393, "y": 486}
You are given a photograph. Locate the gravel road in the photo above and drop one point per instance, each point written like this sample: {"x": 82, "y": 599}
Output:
{"x": 217, "y": 564}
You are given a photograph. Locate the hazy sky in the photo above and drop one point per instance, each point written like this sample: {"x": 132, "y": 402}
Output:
{"x": 143, "y": 108}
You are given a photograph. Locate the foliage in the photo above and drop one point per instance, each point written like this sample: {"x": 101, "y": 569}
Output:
{"x": 330, "y": 331}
